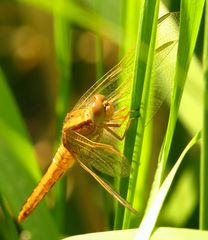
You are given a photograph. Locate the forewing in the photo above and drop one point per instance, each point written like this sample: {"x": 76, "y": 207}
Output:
{"x": 102, "y": 157}
{"x": 164, "y": 65}
{"x": 115, "y": 85}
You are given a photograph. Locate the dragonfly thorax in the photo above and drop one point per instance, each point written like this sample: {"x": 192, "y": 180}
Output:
{"x": 79, "y": 120}
{"x": 102, "y": 109}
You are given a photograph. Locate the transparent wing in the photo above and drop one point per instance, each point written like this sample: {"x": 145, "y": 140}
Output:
{"x": 167, "y": 28}
{"x": 116, "y": 84}
{"x": 165, "y": 60}
{"x": 102, "y": 157}
{"x": 110, "y": 85}
{"x": 109, "y": 189}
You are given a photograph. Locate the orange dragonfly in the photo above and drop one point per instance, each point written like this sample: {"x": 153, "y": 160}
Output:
{"x": 90, "y": 130}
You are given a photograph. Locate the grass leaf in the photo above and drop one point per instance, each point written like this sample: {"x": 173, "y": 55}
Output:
{"x": 143, "y": 68}
{"x": 204, "y": 156}
{"x": 191, "y": 13}
{"x": 150, "y": 217}
{"x": 17, "y": 179}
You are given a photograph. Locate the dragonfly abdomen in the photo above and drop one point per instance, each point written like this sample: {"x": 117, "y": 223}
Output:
{"x": 62, "y": 161}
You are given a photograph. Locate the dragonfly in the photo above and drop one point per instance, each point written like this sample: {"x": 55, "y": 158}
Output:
{"x": 100, "y": 119}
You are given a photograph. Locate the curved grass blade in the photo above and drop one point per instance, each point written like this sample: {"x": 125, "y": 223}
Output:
{"x": 190, "y": 18}
{"x": 143, "y": 66}
{"x": 204, "y": 156}
{"x": 63, "y": 47}
{"x": 149, "y": 220}
{"x": 19, "y": 167}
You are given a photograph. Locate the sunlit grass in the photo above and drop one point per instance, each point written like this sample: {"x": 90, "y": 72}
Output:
{"x": 203, "y": 221}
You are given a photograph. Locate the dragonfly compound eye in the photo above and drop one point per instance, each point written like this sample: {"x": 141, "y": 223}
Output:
{"x": 102, "y": 109}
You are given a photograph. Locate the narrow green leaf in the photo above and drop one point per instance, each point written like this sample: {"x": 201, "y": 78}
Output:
{"x": 16, "y": 183}
{"x": 9, "y": 114}
{"x": 143, "y": 67}
{"x": 149, "y": 220}
{"x": 19, "y": 169}
{"x": 132, "y": 19}
{"x": 204, "y": 156}
{"x": 131, "y": 15}
{"x": 63, "y": 49}
{"x": 190, "y": 18}
{"x": 8, "y": 228}
{"x": 186, "y": 187}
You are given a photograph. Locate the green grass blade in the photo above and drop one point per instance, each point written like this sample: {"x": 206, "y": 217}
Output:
{"x": 63, "y": 42}
{"x": 130, "y": 26}
{"x": 10, "y": 115}
{"x": 63, "y": 47}
{"x": 191, "y": 13}
{"x": 148, "y": 223}
{"x": 183, "y": 199}
{"x": 143, "y": 67}
{"x": 204, "y": 156}
{"x": 7, "y": 227}
{"x": 162, "y": 75}
{"x": 131, "y": 15}
{"x": 19, "y": 169}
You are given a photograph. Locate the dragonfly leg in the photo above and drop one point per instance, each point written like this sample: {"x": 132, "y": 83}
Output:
{"x": 116, "y": 114}
{"x": 136, "y": 114}
{"x": 116, "y": 118}
{"x": 108, "y": 126}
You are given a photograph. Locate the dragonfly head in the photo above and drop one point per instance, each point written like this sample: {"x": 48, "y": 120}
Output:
{"x": 102, "y": 109}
